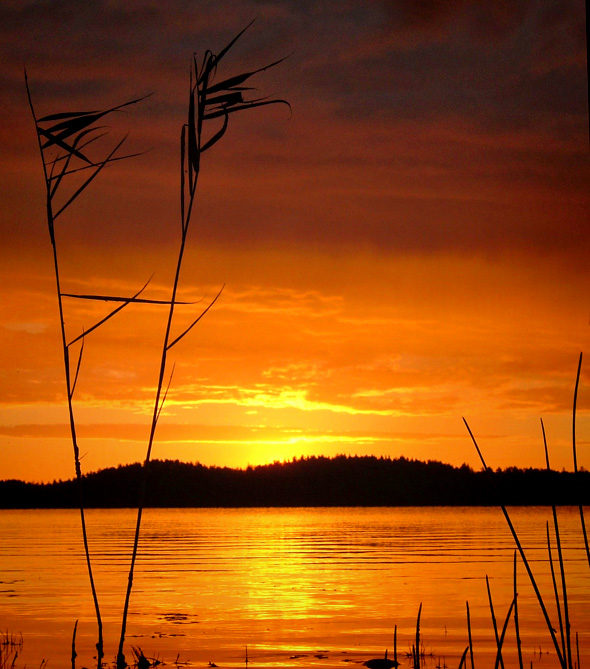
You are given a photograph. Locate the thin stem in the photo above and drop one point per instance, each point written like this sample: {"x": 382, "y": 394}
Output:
{"x": 469, "y": 635}
{"x": 524, "y": 559}
{"x": 574, "y": 414}
{"x": 502, "y": 635}
{"x": 157, "y": 405}
{"x": 494, "y": 623}
{"x": 555, "y": 590}
{"x": 516, "y": 623}
{"x": 565, "y": 636}
{"x": 580, "y": 507}
{"x": 68, "y": 382}
{"x": 463, "y": 657}
{"x": 155, "y": 415}
{"x": 74, "y": 654}
{"x": 417, "y": 649}
{"x": 200, "y": 107}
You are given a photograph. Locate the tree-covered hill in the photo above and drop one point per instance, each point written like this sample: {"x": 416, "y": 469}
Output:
{"x": 314, "y": 481}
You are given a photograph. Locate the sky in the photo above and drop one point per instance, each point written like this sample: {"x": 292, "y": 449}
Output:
{"x": 406, "y": 247}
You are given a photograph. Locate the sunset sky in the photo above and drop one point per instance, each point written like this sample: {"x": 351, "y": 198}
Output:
{"x": 408, "y": 246}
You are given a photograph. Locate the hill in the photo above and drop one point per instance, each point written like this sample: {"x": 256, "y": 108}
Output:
{"x": 313, "y": 481}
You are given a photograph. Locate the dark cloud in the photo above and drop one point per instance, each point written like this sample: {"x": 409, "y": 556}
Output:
{"x": 486, "y": 61}
{"x": 416, "y": 125}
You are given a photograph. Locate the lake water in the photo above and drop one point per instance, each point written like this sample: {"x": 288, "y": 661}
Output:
{"x": 298, "y": 587}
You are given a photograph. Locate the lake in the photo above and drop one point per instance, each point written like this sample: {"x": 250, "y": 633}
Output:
{"x": 299, "y": 587}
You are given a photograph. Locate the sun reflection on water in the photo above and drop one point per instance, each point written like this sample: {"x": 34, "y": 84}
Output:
{"x": 297, "y": 586}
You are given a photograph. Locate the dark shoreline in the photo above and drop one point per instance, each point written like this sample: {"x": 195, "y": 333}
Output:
{"x": 342, "y": 481}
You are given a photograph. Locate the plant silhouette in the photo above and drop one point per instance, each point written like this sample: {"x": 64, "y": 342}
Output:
{"x": 207, "y": 101}
{"x": 65, "y": 140}
{"x": 68, "y": 142}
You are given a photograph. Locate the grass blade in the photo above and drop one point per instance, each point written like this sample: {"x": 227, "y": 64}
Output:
{"x": 218, "y": 135}
{"x": 417, "y": 647}
{"x": 73, "y": 388}
{"x": 555, "y": 591}
{"x": 502, "y": 635}
{"x": 232, "y": 82}
{"x": 463, "y": 658}
{"x": 63, "y": 145}
{"x": 574, "y": 414}
{"x": 117, "y": 298}
{"x": 90, "y": 179}
{"x": 193, "y": 144}
{"x": 192, "y": 325}
{"x": 494, "y": 623}
{"x": 516, "y": 623}
{"x": 580, "y": 507}
{"x": 247, "y": 105}
{"x": 469, "y": 636}
{"x": 566, "y": 648}
{"x": 221, "y": 54}
{"x": 79, "y": 121}
{"x": 182, "y": 178}
{"x": 165, "y": 393}
{"x": 523, "y": 558}
{"x": 74, "y": 654}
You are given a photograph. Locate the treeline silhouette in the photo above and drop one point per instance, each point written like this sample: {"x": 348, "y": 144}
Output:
{"x": 312, "y": 481}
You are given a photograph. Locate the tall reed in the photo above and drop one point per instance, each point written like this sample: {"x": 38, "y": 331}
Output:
{"x": 580, "y": 507}
{"x": 494, "y": 623}
{"x": 563, "y": 645}
{"x": 207, "y": 101}
{"x": 65, "y": 142}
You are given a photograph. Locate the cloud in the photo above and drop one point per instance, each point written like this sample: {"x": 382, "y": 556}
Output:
{"x": 439, "y": 143}
{"x": 33, "y": 328}
{"x": 412, "y": 241}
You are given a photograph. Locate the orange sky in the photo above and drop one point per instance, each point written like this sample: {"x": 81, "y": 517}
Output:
{"x": 408, "y": 247}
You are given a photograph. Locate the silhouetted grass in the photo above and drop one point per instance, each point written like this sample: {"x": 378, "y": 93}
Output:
{"x": 208, "y": 100}
{"x": 67, "y": 142}
{"x": 563, "y": 645}
{"x": 11, "y": 646}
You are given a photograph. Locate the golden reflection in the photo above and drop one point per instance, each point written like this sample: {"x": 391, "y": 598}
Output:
{"x": 286, "y": 582}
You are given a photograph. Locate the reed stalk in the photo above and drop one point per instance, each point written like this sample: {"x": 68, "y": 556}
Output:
{"x": 580, "y": 507}
{"x": 516, "y": 622}
{"x": 416, "y": 649}
{"x": 74, "y": 654}
{"x": 463, "y": 657}
{"x": 564, "y": 650}
{"x": 502, "y": 635}
{"x": 469, "y": 636}
{"x": 523, "y": 558}
{"x": 207, "y": 101}
{"x": 564, "y": 629}
{"x": 63, "y": 140}
{"x": 494, "y": 622}
{"x": 555, "y": 591}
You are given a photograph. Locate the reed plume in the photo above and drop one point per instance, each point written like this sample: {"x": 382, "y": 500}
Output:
{"x": 208, "y": 101}
{"x": 67, "y": 142}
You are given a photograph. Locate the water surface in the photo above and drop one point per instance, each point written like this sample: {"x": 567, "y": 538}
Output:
{"x": 298, "y": 587}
